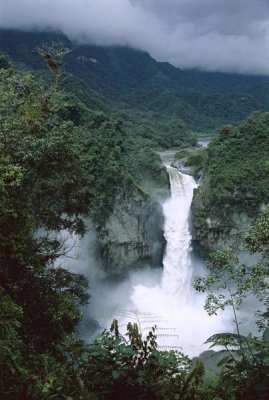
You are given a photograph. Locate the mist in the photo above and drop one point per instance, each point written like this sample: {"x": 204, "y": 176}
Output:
{"x": 155, "y": 296}
{"x": 109, "y": 298}
{"x": 140, "y": 297}
{"x": 180, "y": 325}
{"x": 212, "y": 35}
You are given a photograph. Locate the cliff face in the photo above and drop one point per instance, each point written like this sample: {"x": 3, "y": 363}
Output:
{"x": 132, "y": 235}
{"x": 235, "y": 184}
{"x": 191, "y": 161}
{"x": 218, "y": 228}
{"x": 188, "y": 170}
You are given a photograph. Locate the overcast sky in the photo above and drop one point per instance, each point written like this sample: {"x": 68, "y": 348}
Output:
{"x": 215, "y": 35}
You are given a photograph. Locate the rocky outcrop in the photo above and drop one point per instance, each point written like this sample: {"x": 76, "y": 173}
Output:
{"x": 191, "y": 161}
{"x": 187, "y": 169}
{"x": 179, "y": 164}
{"x": 132, "y": 235}
{"x": 218, "y": 228}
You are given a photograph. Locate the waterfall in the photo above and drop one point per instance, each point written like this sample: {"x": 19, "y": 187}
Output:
{"x": 167, "y": 293}
{"x": 173, "y": 300}
{"x": 177, "y": 265}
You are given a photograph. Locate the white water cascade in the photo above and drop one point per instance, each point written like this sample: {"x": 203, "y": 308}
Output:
{"x": 166, "y": 294}
{"x": 173, "y": 299}
{"x": 176, "y": 263}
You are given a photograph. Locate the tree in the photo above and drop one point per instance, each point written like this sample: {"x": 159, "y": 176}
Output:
{"x": 43, "y": 185}
{"x": 246, "y": 365}
{"x": 257, "y": 237}
{"x": 53, "y": 55}
{"x": 114, "y": 367}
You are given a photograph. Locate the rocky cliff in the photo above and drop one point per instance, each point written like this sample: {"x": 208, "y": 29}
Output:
{"x": 218, "y": 228}
{"x": 133, "y": 233}
{"x": 235, "y": 184}
{"x": 191, "y": 161}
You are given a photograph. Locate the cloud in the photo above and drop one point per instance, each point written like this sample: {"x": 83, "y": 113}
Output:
{"x": 215, "y": 35}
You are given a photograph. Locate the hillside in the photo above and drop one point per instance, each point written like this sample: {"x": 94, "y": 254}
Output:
{"x": 62, "y": 161}
{"x": 235, "y": 185}
{"x": 144, "y": 92}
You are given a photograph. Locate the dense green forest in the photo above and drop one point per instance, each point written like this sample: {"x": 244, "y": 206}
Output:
{"x": 59, "y": 161}
{"x": 150, "y": 96}
{"x": 238, "y": 162}
{"x": 236, "y": 170}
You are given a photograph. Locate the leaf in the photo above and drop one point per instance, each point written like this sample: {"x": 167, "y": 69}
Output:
{"x": 225, "y": 339}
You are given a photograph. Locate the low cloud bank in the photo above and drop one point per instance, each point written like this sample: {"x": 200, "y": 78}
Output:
{"x": 213, "y": 35}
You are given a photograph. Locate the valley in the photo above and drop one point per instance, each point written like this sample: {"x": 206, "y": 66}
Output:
{"x": 134, "y": 225}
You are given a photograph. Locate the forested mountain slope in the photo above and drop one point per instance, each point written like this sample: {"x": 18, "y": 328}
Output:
{"x": 235, "y": 184}
{"x": 141, "y": 88}
{"x": 59, "y": 161}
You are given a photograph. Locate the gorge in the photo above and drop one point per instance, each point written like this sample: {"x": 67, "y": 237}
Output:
{"x": 91, "y": 235}
{"x": 174, "y": 298}
{"x": 151, "y": 293}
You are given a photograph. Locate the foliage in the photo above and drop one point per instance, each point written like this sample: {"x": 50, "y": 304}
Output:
{"x": 133, "y": 368}
{"x": 257, "y": 242}
{"x": 245, "y": 367}
{"x": 194, "y": 158}
{"x": 53, "y": 55}
{"x": 148, "y": 93}
{"x": 39, "y": 160}
{"x": 59, "y": 161}
{"x": 257, "y": 237}
{"x": 103, "y": 141}
{"x": 234, "y": 281}
{"x": 45, "y": 148}
{"x": 54, "y": 169}
{"x": 41, "y": 186}
{"x": 237, "y": 166}
{"x": 10, "y": 342}
{"x": 4, "y": 61}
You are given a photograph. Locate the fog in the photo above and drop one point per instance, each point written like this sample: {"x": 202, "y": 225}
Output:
{"x": 144, "y": 296}
{"x": 156, "y": 296}
{"x": 109, "y": 298}
{"x": 213, "y": 35}
{"x": 181, "y": 324}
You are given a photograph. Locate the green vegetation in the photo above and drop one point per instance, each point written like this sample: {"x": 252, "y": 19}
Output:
{"x": 59, "y": 161}
{"x": 237, "y": 168}
{"x": 245, "y": 367}
{"x": 235, "y": 183}
{"x": 54, "y": 168}
{"x": 133, "y": 368}
{"x": 145, "y": 93}
{"x": 193, "y": 158}
{"x": 42, "y": 185}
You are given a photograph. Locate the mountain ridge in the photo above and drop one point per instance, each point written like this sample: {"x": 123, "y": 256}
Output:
{"x": 133, "y": 80}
